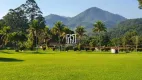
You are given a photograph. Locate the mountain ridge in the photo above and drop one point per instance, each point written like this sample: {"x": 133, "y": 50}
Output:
{"x": 86, "y": 18}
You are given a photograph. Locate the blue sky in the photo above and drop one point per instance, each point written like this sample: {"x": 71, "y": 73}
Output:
{"x": 69, "y": 8}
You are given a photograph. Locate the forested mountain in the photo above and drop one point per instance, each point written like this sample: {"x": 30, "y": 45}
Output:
{"x": 126, "y": 26}
{"x": 52, "y": 19}
{"x": 87, "y": 18}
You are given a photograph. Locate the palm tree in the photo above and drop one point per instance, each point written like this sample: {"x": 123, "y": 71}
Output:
{"x": 66, "y": 30}
{"x": 80, "y": 31}
{"x": 46, "y": 35}
{"x": 58, "y": 29}
{"x": 35, "y": 28}
{"x": 99, "y": 27}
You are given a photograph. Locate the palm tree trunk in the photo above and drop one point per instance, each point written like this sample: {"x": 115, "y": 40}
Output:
{"x": 79, "y": 42}
{"x": 59, "y": 42}
{"x": 137, "y": 41}
{"x": 36, "y": 42}
{"x": 99, "y": 40}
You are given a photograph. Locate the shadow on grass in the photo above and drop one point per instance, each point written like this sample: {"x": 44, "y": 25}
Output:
{"x": 10, "y": 60}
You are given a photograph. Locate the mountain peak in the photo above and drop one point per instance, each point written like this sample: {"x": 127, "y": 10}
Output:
{"x": 94, "y": 8}
{"x": 87, "y": 18}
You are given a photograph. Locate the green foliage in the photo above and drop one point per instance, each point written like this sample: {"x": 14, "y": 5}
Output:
{"x": 31, "y": 9}
{"x": 140, "y": 4}
{"x": 58, "y": 28}
{"x": 16, "y": 20}
{"x": 126, "y": 26}
{"x": 116, "y": 41}
{"x": 17, "y": 36}
{"x": 129, "y": 37}
{"x": 99, "y": 27}
{"x": 18, "y": 39}
{"x": 93, "y": 42}
{"x": 29, "y": 44}
{"x": 2, "y": 23}
{"x": 25, "y": 27}
{"x": 4, "y": 32}
{"x": 80, "y": 30}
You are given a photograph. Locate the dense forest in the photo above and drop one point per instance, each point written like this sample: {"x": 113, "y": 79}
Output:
{"x": 24, "y": 28}
{"x": 126, "y": 26}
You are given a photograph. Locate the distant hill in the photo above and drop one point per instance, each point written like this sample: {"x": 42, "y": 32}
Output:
{"x": 52, "y": 19}
{"x": 125, "y": 26}
{"x": 87, "y": 18}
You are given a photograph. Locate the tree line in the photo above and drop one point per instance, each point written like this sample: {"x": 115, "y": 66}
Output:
{"x": 24, "y": 28}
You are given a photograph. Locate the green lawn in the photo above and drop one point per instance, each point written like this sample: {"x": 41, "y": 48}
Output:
{"x": 70, "y": 66}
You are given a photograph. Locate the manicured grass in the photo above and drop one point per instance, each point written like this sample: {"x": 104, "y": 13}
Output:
{"x": 70, "y": 66}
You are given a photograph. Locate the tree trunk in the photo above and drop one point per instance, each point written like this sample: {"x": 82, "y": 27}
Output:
{"x": 36, "y": 42}
{"x": 33, "y": 40}
{"x": 100, "y": 41}
{"x": 137, "y": 41}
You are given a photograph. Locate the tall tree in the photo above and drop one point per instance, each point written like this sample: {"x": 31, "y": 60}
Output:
{"x": 58, "y": 29}
{"x": 80, "y": 31}
{"x": 129, "y": 39}
{"x": 99, "y": 27}
{"x": 35, "y": 29}
{"x": 66, "y": 30}
{"x": 16, "y": 20}
{"x": 31, "y": 9}
{"x": 47, "y": 35}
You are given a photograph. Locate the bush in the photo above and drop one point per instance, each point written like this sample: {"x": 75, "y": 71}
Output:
{"x": 31, "y": 48}
{"x": 22, "y": 48}
{"x": 107, "y": 49}
{"x": 9, "y": 48}
{"x": 75, "y": 49}
{"x": 82, "y": 48}
{"x": 93, "y": 49}
{"x": 86, "y": 49}
{"x": 16, "y": 50}
{"x": 70, "y": 47}
{"x": 44, "y": 48}
{"x": 139, "y": 49}
{"x": 54, "y": 49}
{"x": 131, "y": 49}
{"x": 66, "y": 48}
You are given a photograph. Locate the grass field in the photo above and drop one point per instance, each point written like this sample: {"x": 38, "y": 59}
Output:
{"x": 70, "y": 66}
